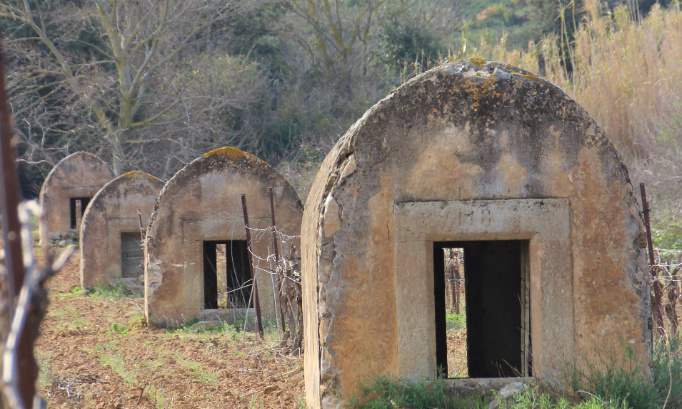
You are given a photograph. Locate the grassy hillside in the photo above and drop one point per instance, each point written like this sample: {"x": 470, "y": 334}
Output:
{"x": 492, "y": 19}
{"x": 521, "y": 21}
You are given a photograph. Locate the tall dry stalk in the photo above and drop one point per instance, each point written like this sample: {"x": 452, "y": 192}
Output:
{"x": 628, "y": 75}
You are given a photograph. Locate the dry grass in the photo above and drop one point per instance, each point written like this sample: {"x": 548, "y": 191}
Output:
{"x": 628, "y": 75}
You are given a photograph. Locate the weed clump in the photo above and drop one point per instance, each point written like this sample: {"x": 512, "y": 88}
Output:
{"x": 116, "y": 291}
{"x": 385, "y": 393}
{"x": 614, "y": 382}
{"x": 621, "y": 380}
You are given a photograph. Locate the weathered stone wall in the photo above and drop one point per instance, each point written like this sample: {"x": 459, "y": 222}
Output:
{"x": 78, "y": 175}
{"x": 112, "y": 211}
{"x": 473, "y": 150}
{"x": 203, "y": 202}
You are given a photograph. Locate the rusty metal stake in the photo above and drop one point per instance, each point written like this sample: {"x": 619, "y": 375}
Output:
{"x": 276, "y": 246}
{"x": 9, "y": 200}
{"x": 658, "y": 290}
{"x": 256, "y": 300}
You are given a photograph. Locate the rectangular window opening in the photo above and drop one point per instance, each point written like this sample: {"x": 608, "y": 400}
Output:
{"x": 77, "y": 207}
{"x": 132, "y": 254}
{"x": 482, "y": 302}
{"x": 227, "y": 279}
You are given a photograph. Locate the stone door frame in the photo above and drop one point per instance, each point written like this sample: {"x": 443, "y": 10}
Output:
{"x": 194, "y": 233}
{"x": 545, "y": 223}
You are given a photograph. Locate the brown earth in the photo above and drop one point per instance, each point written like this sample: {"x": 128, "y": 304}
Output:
{"x": 95, "y": 352}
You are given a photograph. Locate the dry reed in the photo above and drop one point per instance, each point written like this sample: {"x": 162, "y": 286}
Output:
{"x": 627, "y": 74}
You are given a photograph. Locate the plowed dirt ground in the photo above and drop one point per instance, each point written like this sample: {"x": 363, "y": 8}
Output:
{"x": 95, "y": 352}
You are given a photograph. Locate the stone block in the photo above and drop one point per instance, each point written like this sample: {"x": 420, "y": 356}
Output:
{"x": 68, "y": 189}
{"x": 472, "y": 154}
{"x": 200, "y": 209}
{"x": 110, "y": 243}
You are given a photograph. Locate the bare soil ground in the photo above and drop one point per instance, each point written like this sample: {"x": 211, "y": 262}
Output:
{"x": 95, "y": 352}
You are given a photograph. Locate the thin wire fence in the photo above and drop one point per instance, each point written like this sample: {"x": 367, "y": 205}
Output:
{"x": 284, "y": 273}
{"x": 668, "y": 271}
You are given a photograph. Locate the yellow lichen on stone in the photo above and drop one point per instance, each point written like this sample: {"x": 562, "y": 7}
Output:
{"x": 131, "y": 173}
{"x": 233, "y": 153}
{"x": 139, "y": 172}
{"x": 477, "y": 61}
{"x": 152, "y": 177}
{"x": 528, "y": 76}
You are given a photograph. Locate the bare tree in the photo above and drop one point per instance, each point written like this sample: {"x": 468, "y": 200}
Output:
{"x": 120, "y": 78}
{"x": 337, "y": 28}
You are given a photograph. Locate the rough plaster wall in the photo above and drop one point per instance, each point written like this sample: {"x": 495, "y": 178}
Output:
{"x": 202, "y": 202}
{"x": 78, "y": 175}
{"x": 465, "y": 131}
{"x": 112, "y": 211}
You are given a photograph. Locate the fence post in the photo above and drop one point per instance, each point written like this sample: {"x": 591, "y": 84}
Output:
{"x": 276, "y": 248}
{"x": 658, "y": 290}
{"x": 256, "y": 300}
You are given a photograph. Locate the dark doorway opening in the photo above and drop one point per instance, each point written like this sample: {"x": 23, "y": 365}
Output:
{"x": 77, "y": 207}
{"x": 132, "y": 255}
{"x": 496, "y": 305}
{"x": 237, "y": 277}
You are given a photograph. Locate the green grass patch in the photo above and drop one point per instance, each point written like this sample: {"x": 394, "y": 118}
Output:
{"x": 75, "y": 292}
{"x": 197, "y": 370}
{"x": 45, "y": 375}
{"x": 667, "y": 233}
{"x": 615, "y": 381}
{"x": 456, "y": 321}
{"x": 385, "y": 393}
{"x": 69, "y": 318}
{"x": 158, "y": 396}
{"x": 532, "y": 398}
{"x": 617, "y": 378}
{"x": 236, "y": 327}
{"x": 116, "y": 291}
{"x": 119, "y": 329}
{"x": 126, "y": 371}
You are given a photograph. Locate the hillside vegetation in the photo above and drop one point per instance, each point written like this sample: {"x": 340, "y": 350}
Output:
{"x": 626, "y": 74}
{"x": 151, "y": 85}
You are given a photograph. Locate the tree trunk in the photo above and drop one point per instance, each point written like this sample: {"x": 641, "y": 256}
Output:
{"x": 116, "y": 154}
